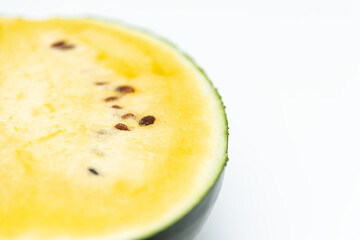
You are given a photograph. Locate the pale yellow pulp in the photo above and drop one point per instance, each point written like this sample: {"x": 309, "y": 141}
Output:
{"x": 55, "y": 125}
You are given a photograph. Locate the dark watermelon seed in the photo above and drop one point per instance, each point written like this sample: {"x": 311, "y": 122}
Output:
{"x": 62, "y": 45}
{"x": 116, "y": 106}
{"x": 122, "y": 127}
{"x": 93, "y": 171}
{"x": 100, "y": 83}
{"x": 110, "y": 99}
{"x": 58, "y": 43}
{"x": 125, "y": 89}
{"x": 147, "y": 120}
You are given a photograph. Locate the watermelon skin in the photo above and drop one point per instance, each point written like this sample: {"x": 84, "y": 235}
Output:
{"x": 190, "y": 225}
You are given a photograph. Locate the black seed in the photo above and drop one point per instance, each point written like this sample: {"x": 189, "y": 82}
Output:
{"x": 93, "y": 171}
{"x": 122, "y": 127}
{"x": 125, "y": 89}
{"x": 147, "y": 120}
{"x": 128, "y": 115}
{"x": 110, "y": 99}
{"x": 116, "y": 106}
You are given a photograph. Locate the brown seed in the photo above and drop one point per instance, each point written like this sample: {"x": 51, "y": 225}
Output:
{"x": 122, "y": 127}
{"x": 62, "y": 45}
{"x": 125, "y": 89}
{"x": 93, "y": 171}
{"x": 110, "y": 99}
{"x": 128, "y": 115}
{"x": 116, "y": 107}
{"x": 100, "y": 83}
{"x": 147, "y": 120}
{"x": 58, "y": 43}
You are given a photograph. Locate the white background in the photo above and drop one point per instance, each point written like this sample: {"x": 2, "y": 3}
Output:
{"x": 288, "y": 72}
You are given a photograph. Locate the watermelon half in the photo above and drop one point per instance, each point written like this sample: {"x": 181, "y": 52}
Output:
{"x": 106, "y": 132}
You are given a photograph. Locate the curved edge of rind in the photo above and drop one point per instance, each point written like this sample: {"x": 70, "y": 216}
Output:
{"x": 226, "y": 128}
{"x": 190, "y": 225}
{"x": 112, "y": 21}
